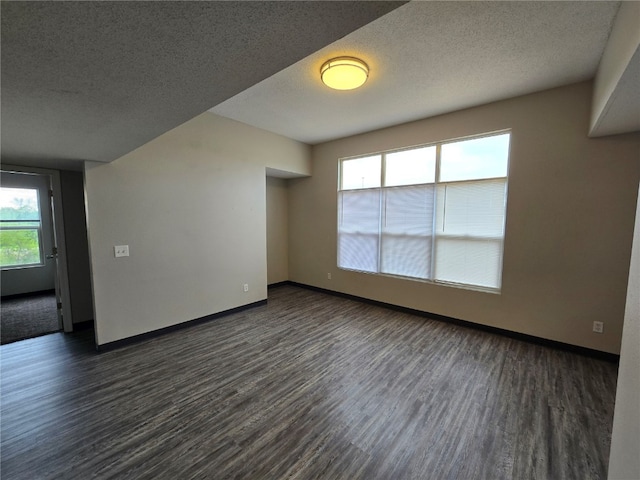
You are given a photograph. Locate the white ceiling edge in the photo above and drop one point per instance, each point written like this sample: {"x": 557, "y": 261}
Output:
{"x": 621, "y": 113}
{"x": 616, "y": 95}
{"x": 53, "y": 163}
{"x": 274, "y": 172}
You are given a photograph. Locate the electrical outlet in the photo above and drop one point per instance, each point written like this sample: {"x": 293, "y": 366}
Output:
{"x": 121, "y": 250}
{"x": 246, "y": 287}
{"x": 329, "y": 276}
{"x": 598, "y": 327}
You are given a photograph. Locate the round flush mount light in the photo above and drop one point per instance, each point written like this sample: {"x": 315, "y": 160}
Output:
{"x": 344, "y": 73}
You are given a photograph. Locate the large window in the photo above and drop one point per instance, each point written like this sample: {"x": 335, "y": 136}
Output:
{"x": 435, "y": 213}
{"x": 20, "y": 228}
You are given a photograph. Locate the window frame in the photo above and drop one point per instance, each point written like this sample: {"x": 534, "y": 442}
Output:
{"x": 5, "y": 225}
{"x": 434, "y": 236}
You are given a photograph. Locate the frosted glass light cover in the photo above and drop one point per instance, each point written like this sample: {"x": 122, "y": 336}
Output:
{"x": 344, "y": 73}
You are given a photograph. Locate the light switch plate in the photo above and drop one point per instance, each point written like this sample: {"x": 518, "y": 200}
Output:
{"x": 121, "y": 250}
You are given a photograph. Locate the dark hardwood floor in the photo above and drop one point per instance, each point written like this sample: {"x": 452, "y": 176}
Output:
{"x": 309, "y": 386}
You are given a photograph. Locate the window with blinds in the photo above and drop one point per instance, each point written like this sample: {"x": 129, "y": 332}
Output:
{"x": 435, "y": 213}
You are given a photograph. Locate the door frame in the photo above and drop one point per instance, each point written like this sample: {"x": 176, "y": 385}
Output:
{"x": 57, "y": 217}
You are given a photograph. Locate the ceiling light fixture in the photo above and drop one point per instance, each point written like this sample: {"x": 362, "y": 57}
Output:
{"x": 344, "y": 73}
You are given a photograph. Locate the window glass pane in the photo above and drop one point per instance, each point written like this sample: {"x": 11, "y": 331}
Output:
{"x": 361, "y": 172}
{"x": 19, "y": 227}
{"x": 485, "y": 157}
{"x": 359, "y": 211}
{"x": 19, "y": 247}
{"x": 358, "y": 230}
{"x": 472, "y": 208}
{"x": 410, "y": 167}
{"x": 19, "y": 204}
{"x": 407, "y": 231}
{"x": 358, "y": 252}
{"x": 469, "y": 261}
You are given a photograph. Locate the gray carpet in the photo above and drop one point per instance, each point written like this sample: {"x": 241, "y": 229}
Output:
{"x": 27, "y": 316}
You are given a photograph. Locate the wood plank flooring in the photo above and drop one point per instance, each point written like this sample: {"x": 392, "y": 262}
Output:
{"x": 309, "y": 386}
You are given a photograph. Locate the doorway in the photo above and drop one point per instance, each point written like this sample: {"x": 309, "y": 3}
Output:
{"x": 32, "y": 295}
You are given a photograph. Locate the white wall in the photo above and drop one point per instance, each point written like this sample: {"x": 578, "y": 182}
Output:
{"x": 616, "y": 71}
{"x": 570, "y": 214}
{"x": 191, "y": 206}
{"x": 624, "y": 459}
{"x": 277, "y": 230}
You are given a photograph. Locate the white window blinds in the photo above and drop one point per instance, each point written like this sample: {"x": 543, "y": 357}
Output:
{"x": 359, "y": 230}
{"x": 469, "y": 230}
{"x": 434, "y": 213}
{"x": 407, "y": 231}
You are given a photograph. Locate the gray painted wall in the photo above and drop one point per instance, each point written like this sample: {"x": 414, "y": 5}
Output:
{"x": 75, "y": 229}
{"x": 277, "y": 230}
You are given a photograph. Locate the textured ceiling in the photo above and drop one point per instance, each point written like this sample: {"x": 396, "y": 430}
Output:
{"x": 95, "y": 80}
{"x": 429, "y": 58}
